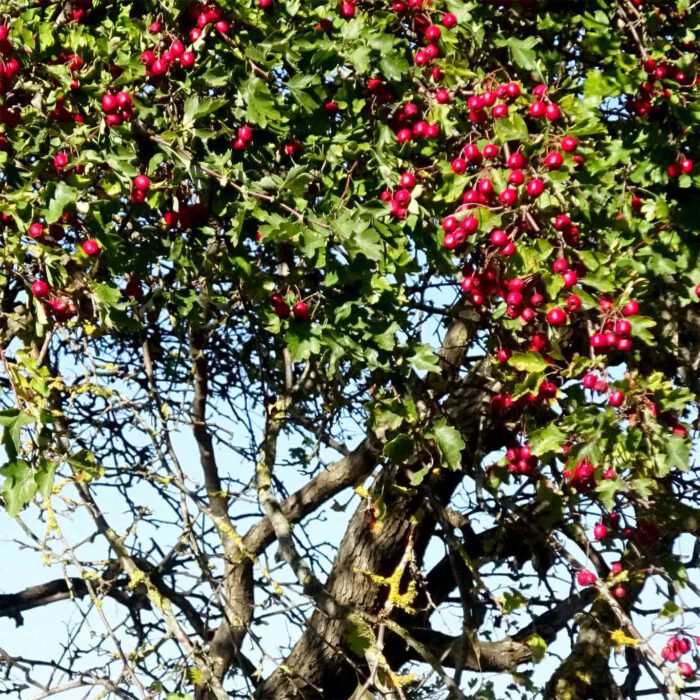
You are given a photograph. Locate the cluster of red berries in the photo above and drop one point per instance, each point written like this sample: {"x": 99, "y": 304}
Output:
{"x": 300, "y": 310}
{"x": 244, "y": 135}
{"x": 347, "y": 9}
{"x": 158, "y": 65}
{"x": 117, "y": 108}
{"x": 407, "y": 122}
{"x": 582, "y": 476}
{"x": 9, "y": 65}
{"x": 79, "y": 9}
{"x": 399, "y": 200}
{"x": 521, "y": 460}
{"x": 202, "y": 14}
{"x": 662, "y": 78}
{"x": 186, "y": 216}
{"x": 616, "y": 329}
{"x": 676, "y": 647}
{"x": 140, "y": 189}
{"x": 61, "y": 309}
{"x": 682, "y": 166}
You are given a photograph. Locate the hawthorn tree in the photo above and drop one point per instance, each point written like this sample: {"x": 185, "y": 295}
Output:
{"x": 351, "y": 350}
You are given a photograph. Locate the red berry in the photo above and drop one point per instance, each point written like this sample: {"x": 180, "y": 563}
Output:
{"x": 36, "y": 231}
{"x": 40, "y": 289}
{"x": 552, "y": 112}
{"x": 616, "y": 399}
{"x": 91, "y": 247}
{"x": 499, "y": 111}
{"x": 569, "y": 144}
{"x": 459, "y": 166}
{"x": 141, "y": 182}
{"x": 408, "y": 181}
{"x": 490, "y": 151}
{"x": 600, "y": 531}
{"x": 623, "y": 327}
{"x": 301, "y": 311}
{"x": 60, "y": 160}
{"x": 556, "y": 317}
{"x": 449, "y": 20}
{"x": 687, "y": 165}
{"x": 535, "y": 187}
{"x": 554, "y": 160}
{"x": 187, "y": 59}
{"x": 560, "y": 265}
{"x": 631, "y": 308}
{"x": 538, "y": 109}
{"x": 109, "y": 102}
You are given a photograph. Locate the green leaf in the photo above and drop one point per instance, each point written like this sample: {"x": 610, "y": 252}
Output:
{"x": 62, "y": 196}
{"x": 399, "y": 449}
{"x": 261, "y": 108}
{"x": 14, "y": 420}
{"x": 547, "y": 439}
{"x": 424, "y": 359}
{"x": 521, "y": 51}
{"x": 449, "y": 442}
{"x": 19, "y": 487}
{"x": 512, "y": 128}
{"x": 528, "y": 361}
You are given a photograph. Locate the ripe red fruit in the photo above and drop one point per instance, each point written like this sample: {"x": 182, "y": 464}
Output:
{"x": 516, "y": 178}
{"x": 536, "y": 300}
{"x": 554, "y": 160}
{"x": 598, "y": 341}
{"x": 459, "y": 166}
{"x": 347, "y": 10}
{"x": 490, "y": 151}
{"x": 432, "y": 32}
{"x": 556, "y": 317}
{"x": 513, "y": 90}
{"x": 91, "y": 247}
{"x": 503, "y": 354}
{"x": 535, "y": 187}
{"x": 619, "y": 592}
{"x": 141, "y": 182}
{"x": 470, "y": 224}
{"x": 623, "y": 327}
{"x": 109, "y": 102}
{"x": 500, "y": 111}
{"x": 472, "y": 153}
{"x": 442, "y": 96}
{"x": 508, "y": 197}
{"x": 36, "y": 231}
{"x": 616, "y": 399}
{"x": 449, "y": 20}
{"x": 570, "y": 278}
{"x": 123, "y": 99}
{"x": 685, "y": 669}
{"x": 187, "y": 59}
{"x": 674, "y": 170}
{"x": 573, "y": 303}
{"x": 40, "y": 289}
{"x": 600, "y": 531}
{"x": 402, "y": 197}
{"x": 687, "y": 166}
{"x": 222, "y": 26}
{"x": 569, "y": 144}
{"x": 616, "y": 568}
{"x": 301, "y": 311}
{"x": 538, "y": 109}
{"x": 498, "y": 237}
{"x": 450, "y": 224}
{"x": 586, "y": 578}
{"x": 552, "y": 112}
{"x": 631, "y": 308}
{"x": 408, "y": 181}
{"x": 516, "y": 161}
{"x": 60, "y": 160}
{"x": 560, "y": 265}
{"x": 589, "y": 381}
{"x": 195, "y": 34}
{"x": 403, "y": 135}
